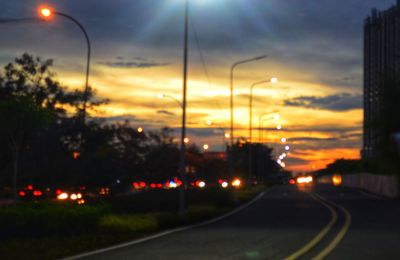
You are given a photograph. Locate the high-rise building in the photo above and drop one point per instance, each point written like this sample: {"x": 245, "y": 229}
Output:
{"x": 381, "y": 80}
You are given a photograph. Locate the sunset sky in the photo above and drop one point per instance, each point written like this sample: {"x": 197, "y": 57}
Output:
{"x": 314, "y": 47}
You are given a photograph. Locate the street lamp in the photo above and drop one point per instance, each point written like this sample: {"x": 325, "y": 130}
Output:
{"x": 182, "y": 198}
{"x": 276, "y": 116}
{"x": 234, "y": 65}
{"x": 260, "y": 124}
{"x": 47, "y": 13}
{"x": 170, "y": 97}
{"x": 226, "y": 135}
{"x": 273, "y": 81}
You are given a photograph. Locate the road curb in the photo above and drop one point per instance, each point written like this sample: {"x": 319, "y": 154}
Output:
{"x": 167, "y": 232}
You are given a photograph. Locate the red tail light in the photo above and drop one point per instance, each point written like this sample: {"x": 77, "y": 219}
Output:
{"x": 37, "y": 193}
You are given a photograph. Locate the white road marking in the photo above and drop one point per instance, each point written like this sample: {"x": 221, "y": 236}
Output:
{"x": 165, "y": 233}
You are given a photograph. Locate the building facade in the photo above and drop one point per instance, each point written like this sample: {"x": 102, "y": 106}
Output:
{"x": 381, "y": 79}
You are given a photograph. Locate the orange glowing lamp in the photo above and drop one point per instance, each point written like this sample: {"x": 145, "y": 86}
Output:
{"x": 337, "y": 180}
{"x": 46, "y": 12}
{"x": 76, "y": 155}
{"x": 236, "y": 183}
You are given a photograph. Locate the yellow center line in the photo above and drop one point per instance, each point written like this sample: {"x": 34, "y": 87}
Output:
{"x": 320, "y": 235}
{"x": 339, "y": 236}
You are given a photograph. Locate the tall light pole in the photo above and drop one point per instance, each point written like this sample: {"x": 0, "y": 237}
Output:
{"x": 172, "y": 98}
{"x": 182, "y": 197}
{"x": 47, "y": 13}
{"x": 275, "y": 116}
{"x": 234, "y": 65}
{"x": 272, "y": 80}
{"x": 225, "y": 136}
{"x": 260, "y": 124}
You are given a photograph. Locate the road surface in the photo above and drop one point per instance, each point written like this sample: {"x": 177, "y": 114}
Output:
{"x": 287, "y": 222}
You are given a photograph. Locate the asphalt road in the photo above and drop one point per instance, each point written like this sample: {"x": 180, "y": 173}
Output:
{"x": 287, "y": 222}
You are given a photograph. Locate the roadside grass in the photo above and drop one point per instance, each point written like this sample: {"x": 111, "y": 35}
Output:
{"x": 54, "y": 230}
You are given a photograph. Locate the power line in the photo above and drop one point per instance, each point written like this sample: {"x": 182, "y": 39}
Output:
{"x": 204, "y": 64}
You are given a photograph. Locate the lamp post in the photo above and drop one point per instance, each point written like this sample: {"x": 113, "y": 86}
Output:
{"x": 172, "y": 98}
{"x": 272, "y": 80}
{"x": 234, "y": 65}
{"x": 260, "y": 124}
{"x": 182, "y": 197}
{"x": 47, "y": 13}
{"x": 226, "y": 135}
{"x": 231, "y": 87}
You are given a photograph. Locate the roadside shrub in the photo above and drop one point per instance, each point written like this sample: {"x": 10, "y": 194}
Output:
{"x": 35, "y": 219}
{"x": 129, "y": 223}
{"x": 147, "y": 201}
{"x": 202, "y": 212}
{"x": 168, "y": 220}
{"x": 168, "y": 200}
{"x": 248, "y": 193}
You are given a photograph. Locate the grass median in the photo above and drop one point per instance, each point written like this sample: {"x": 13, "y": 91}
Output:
{"x": 51, "y": 230}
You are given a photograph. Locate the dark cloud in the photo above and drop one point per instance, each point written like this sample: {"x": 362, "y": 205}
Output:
{"x": 122, "y": 118}
{"x": 198, "y": 132}
{"x": 324, "y": 128}
{"x": 120, "y": 62}
{"x": 339, "y": 102}
{"x": 165, "y": 112}
{"x": 349, "y": 141}
{"x": 295, "y": 160}
{"x": 313, "y": 139}
{"x": 326, "y": 35}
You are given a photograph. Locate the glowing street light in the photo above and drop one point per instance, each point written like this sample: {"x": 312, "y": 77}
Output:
{"x": 261, "y": 125}
{"x": 47, "y": 13}
{"x": 279, "y": 127}
{"x": 234, "y": 65}
{"x": 186, "y": 140}
{"x": 231, "y": 86}
{"x": 140, "y": 130}
{"x": 283, "y": 140}
{"x": 276, "y": 116}
{"x": 206, "y": 147}
{"x": 287, "y": 147}
{"x": 272, "y": 80}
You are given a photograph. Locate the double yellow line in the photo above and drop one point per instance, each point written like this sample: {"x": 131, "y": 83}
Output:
{"x": 318, "y": 238}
